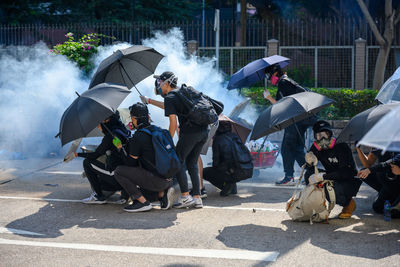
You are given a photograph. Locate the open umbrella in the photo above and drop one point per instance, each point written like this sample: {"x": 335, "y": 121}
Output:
{"x": 360, "y": 124}
{"x": 385, "y": 134}
{"x": 287, "y": 111}
{"x": 237, "y": 128}
{"x": 90, "y": 109}
{"x": 255, "y": 71}
{"x": 127, "y": 66}
{"x": 390, "y": 90}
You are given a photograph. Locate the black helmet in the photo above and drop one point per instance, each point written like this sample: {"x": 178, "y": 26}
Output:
{"x": 322, "y": 125}
{"x": 139, "y": 110}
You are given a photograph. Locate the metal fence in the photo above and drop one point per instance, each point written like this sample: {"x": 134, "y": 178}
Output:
{"x": 312, "y": 66}
{"x": 295, "y": 32}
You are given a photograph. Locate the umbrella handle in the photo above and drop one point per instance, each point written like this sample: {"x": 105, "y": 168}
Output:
{"x": 129, "y": 77}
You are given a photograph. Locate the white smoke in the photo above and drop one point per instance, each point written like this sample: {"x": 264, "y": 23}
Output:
{"x": 36, "y": 87}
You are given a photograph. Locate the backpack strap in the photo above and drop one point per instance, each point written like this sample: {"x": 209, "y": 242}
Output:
{"x": 331, "y": 194}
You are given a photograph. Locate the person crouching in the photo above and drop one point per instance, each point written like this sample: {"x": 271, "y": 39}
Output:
{"x": 138, "y": 171}
{"x": 337, "y": 159}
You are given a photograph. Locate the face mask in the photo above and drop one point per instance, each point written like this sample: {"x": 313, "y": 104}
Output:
{"x": 274, "y": 80}
{"x": 325, "y": 143}
{"x": 131, "y": 126}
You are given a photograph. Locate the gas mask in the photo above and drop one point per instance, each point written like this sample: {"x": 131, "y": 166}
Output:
{"x": 159, "y": 83}
{"x": 157, "y": 87}
{"x": 324, "y": 140}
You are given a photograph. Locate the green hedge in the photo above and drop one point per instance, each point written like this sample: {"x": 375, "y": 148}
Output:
{"x": 347, "y": 104}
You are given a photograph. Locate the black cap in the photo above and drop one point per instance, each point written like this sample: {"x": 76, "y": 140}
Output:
{"x": 164, "y": 76}
{"x": 322, "y": 125}
{"x": 139, "y": 110}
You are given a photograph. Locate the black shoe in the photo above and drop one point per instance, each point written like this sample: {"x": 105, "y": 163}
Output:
{"x": 395, "y": 213}
{"x": 234, "y": 190}
{"x": 227, "y": 189}
{"x": 166, "y": 200}
{"x": 136, "y": 206}
{"x": 203, "y": 192}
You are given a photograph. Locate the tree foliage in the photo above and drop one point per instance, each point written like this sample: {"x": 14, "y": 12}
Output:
{"x": 62, "y": 11}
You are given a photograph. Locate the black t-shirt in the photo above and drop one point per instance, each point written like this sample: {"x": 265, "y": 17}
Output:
{"x": 287, "y": 86}
{"x": 173, "y": 105}
{"x": 337, "y": 161}
{"x": 141, "y": 145}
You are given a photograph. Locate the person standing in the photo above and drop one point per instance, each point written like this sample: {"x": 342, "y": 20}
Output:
{"x": 293, "y": 138}
{"x": 192, "y": 137}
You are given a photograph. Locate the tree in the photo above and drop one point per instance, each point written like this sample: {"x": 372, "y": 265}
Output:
{"x": 385, "y": 39}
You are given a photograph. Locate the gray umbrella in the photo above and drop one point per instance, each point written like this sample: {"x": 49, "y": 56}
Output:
{"x": 360, "y": 124}
{"x": 127, "y": 66}
{"x": 385, "y": 134}
{"x": 287, "y": 111}
{"x": 90, "y": 109}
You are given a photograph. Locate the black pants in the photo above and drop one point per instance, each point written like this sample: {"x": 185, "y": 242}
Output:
{"x": 216, "y": 177}
{"x": 387, "y": 188}
{"x": 346, "y": 190}
{"x": 293, "y": 148}
{"x": 100, "y": 179}
{"x": 188, "y": 150}
{"x": 133, "y": 179}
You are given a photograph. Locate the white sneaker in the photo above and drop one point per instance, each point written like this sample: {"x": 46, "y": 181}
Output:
{"x": 185, "y": 201}
{"x": 198, "y": 203}
{"x": 93, "y": 199}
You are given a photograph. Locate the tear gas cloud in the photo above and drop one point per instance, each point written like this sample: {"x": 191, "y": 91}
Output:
{"x": 36, "y": 87}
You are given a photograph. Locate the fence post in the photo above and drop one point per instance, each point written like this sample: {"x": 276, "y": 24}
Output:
{"x": 192, "y": 47}
{"x": 360, "y": 61}
{"x": 272, "y": 47}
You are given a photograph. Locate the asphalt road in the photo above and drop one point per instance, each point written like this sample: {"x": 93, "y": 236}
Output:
{"x": 42, "y": 223}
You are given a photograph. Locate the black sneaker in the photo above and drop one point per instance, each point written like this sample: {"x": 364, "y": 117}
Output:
{"x": 234, "y": 190}
{"x": 395, "y": 213}
{"x": 227, "y": 189}
{"x": 203, "y": 192}
{"x": 166, "y": 200}
{"x": 136, "y": 206}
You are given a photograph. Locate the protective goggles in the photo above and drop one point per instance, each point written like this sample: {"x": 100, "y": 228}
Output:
{"x": 322, "y": 135}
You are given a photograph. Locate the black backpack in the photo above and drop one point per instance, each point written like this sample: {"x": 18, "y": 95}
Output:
{"x": 243, "y": 162}
{"x": 167, "y": 162}
{"x": 201, "y": 110}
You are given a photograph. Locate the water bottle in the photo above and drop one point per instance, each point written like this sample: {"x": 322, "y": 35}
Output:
{"x": 386, "y": 211}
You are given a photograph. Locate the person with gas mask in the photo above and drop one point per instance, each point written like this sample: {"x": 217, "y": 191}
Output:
{"x": 293, "y": 138}
{"x": 101, "y": 175}
{"x": 138, "y": 175}
{"x": 192, "y": 137}
{"x": 339, "y": 166}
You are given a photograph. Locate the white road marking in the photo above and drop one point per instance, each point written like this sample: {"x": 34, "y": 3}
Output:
{"x": 79, "y": 201}
{"x": 60, "y": 172}
{"x": 42, "y": 199}
{"x": 238, "y": 208}
{"x": 4, "y": 230}
{"x": 261, "y": 185}
{"x": 184, "y": 252}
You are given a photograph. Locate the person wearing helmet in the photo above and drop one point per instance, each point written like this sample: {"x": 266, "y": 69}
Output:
{"x": 339, "y": 166}
{"x": 293, "y": 138}
{"x": 139, "y": 174}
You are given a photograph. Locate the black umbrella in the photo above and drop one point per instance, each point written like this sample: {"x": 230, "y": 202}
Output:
{"x": 90, "y": 109}
{"x": 127, "y": 66}
{"x": 287, "y": 111}
{"x": 360, "y": 124}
